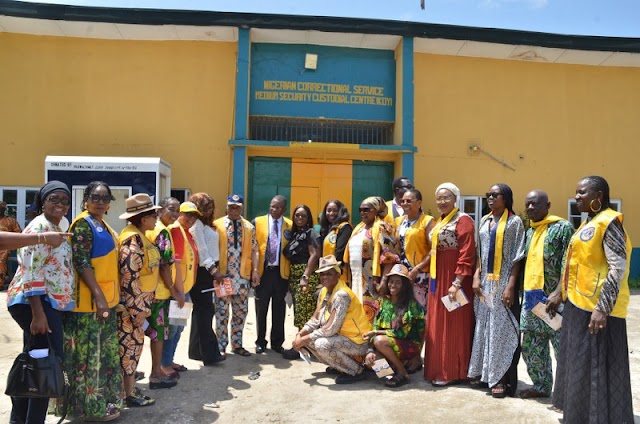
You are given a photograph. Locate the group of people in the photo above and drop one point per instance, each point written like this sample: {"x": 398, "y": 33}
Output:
{"x": 398, "y": 282}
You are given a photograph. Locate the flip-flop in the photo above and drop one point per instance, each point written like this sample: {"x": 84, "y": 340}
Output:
{"x": 241, "y": 351}
{"x": 179, "y": 368}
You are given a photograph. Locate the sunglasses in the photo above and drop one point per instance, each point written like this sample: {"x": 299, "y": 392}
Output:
{"x": 64, "y": 201}
{"x": 407, "y": 201}
{"x": 493, "y": 195}
{"x": 96, "y": 198}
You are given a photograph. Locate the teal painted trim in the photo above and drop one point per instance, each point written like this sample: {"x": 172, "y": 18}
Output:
{"x": 262, "y": 143}
{"x": 239, "y": 170}
{"x": 408, "y": 165}
{"x": 634, "y": 268}
{"x": 407, "y": 93}
{"x": 393, "y": 148}
{"x": 242, "y": 84}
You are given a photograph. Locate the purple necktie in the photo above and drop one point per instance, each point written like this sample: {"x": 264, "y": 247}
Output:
{"x": 273, "y": 243}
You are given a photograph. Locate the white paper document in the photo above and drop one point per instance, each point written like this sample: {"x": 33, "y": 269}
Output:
{"x": 452, "y": 305}
{"x": 175, "y": 312}
{"x": 540, "y": 310}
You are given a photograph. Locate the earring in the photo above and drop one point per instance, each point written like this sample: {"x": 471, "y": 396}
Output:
{"x": 592, "y": 208}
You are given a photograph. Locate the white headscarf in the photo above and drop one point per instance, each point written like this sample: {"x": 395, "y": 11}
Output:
{"x": 451, "y": 187}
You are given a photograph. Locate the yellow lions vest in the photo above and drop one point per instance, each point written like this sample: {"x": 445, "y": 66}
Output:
{"x": 189, "y": 262}
{"x": 329, "y": 248}
{"x": 355, "y": 323}
{"x": 162, "y": 291}
{"x": 587, "y": 266}
{"x": 262, "y": 236}
{"x": 416, "y": 245}
{"x": 150, "y": 271}
{"x": 104, "y": 261}
{"x": 245, "y": 258}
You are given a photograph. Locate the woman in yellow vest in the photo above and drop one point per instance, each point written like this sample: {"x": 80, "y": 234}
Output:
{"x": 412, "y": 231}
{"x": 184, "y": 275}
{"x": 335, "y": 231}
{"x": 593, "y": 382}
{"x": 90, "y": 330}
{"x": 335, "y": 333}
{"x": 371, "y": 248}
{"x": 139, "y": 262}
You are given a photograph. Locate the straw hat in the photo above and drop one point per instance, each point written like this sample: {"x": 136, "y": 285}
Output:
{"x": 328, "y": 262}
{"x": 137, "y": 204}
{"x": 399, "y": 269}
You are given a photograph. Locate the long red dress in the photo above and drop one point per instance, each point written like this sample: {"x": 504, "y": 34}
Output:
{"x": 449, "y": 335}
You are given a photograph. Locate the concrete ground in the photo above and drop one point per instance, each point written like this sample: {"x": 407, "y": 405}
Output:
{"x": 293, "y": 391}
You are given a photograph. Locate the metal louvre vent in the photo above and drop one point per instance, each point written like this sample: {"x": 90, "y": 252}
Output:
{"x": 271, "y": 128}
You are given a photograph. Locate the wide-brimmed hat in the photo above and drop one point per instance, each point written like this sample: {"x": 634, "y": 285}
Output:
{"x": 188, "y": 207}
{"x": 137, "y": 204}
{"x": 328, "y": 262}
{"x": 399, "y": 269}
{"x": 235, "y": 199}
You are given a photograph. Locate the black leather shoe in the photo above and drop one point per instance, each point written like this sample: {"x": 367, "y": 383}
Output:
{"x": 290, "y": 354}
{"x": 260, "y": 349}
{"x": 278, "y": 349}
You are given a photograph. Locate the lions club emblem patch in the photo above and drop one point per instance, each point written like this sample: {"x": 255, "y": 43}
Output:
{"x": 587, "y": 233}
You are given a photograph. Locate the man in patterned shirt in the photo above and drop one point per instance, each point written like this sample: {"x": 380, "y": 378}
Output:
{"x": 547, "y": 242}
{"x": 238, "y": 264}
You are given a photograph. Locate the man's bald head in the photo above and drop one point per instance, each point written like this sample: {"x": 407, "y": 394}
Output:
{"x": 537, "y": 205}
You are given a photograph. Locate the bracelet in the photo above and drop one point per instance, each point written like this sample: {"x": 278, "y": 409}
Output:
{"x": 457, "y": 284}
{"x": 370, "y": 351}
{"x": 44, "y": 236}
{"x": 39, "y": 238}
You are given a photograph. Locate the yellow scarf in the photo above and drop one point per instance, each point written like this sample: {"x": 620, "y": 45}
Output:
{"x": 434, "y": 239}
{"x": 534, "y": 268}
{"x": 497, "y": 255}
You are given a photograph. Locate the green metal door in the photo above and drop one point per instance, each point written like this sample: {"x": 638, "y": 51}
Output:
{"x": 267, "y": 177}
{"x": 370, "y": 178}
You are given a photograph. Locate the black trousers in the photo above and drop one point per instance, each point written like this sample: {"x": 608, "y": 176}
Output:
{"x": 203, "y": 343}
{"x": 28, "y": 410}
{"x": 272, "y": 288}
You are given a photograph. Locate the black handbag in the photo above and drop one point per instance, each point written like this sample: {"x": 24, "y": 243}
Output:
{"x": 36, "y": 377}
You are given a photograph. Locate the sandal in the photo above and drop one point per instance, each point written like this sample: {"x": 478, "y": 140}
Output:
{"x": 179, "y": 368}
{"x": 241, "y": 351}
{"x": 396, "y": 380}
{"x": 499, "y": 391}
{"x": 532, "y": 393}
{"x": 137, "y": 399}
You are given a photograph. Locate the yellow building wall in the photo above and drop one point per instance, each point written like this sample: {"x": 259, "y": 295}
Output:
{"x": 89, "y": 97}
{"x": 554, "y": 123}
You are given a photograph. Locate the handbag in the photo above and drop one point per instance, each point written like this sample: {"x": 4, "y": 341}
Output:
{"x": 36, "y": 377}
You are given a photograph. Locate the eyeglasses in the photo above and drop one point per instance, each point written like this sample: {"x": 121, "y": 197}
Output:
{"x": 64, "y": 201}
{"x": 493, "y": 195}
{"x": 364, "y": 209}
{"x": 301, "y": 215}
{"x": 96, "y": 198}
{"x": 407, "y": 201}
